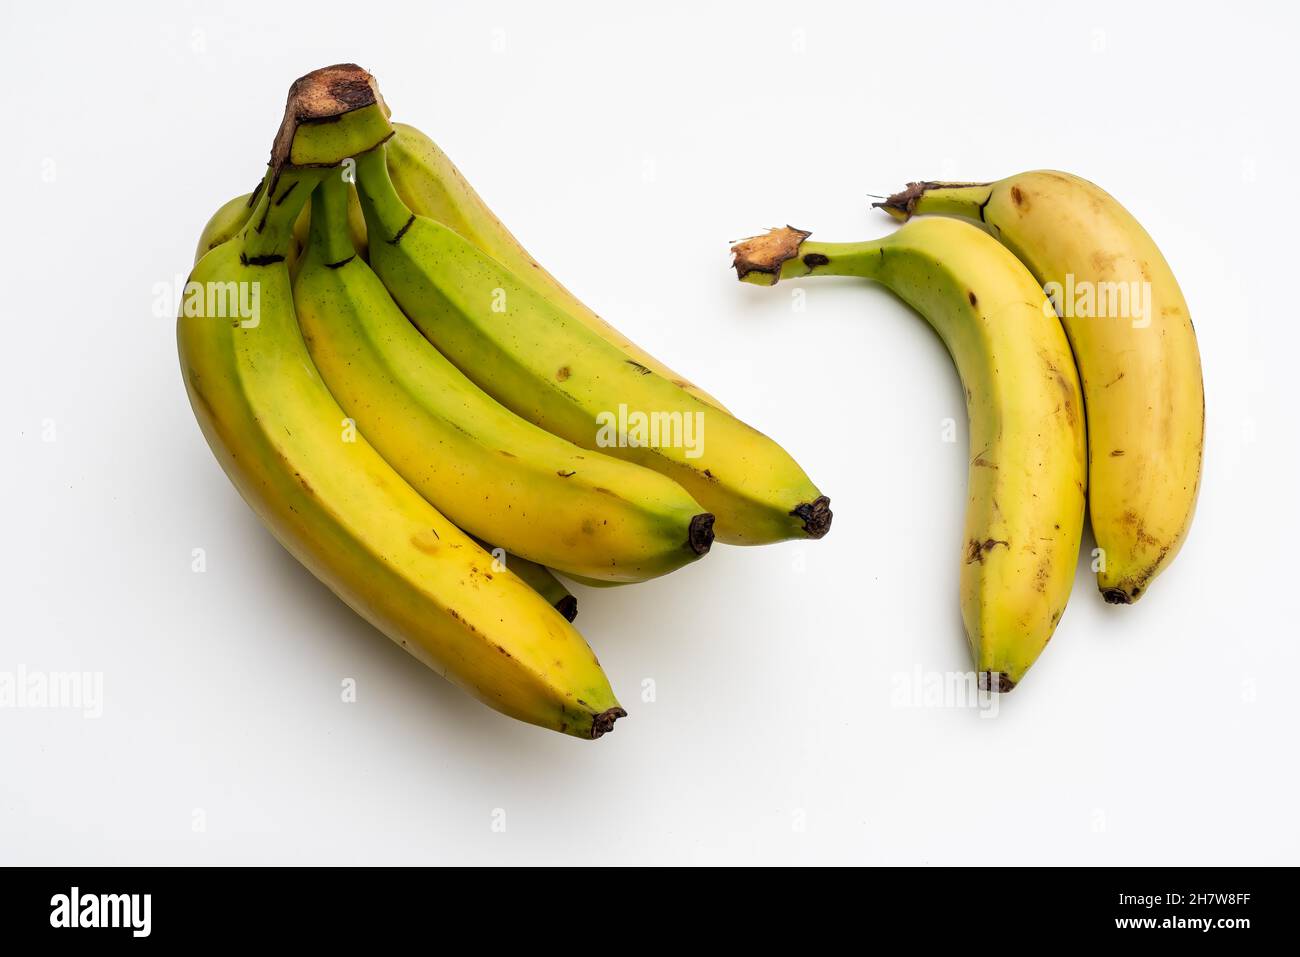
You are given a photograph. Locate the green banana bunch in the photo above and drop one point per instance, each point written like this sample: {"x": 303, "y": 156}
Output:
{"x": 1135, "y": 346}
{"x": 555, "y": 371}
{"x": 323, "y": 490}
{"x": 491, "y": 472}
{"x": 1028, "y": 452}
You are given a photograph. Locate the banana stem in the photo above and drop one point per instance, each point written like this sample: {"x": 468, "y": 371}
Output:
{"x": 786, "y": 253}
{"x": 951, "y": 199}
{"x": 386, "y": 215}
{"x": 329, "y": 221}
{"x": 269, "y": 231}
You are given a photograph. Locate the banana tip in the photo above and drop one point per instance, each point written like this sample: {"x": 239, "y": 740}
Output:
{"x": 603, "y": 723}
{"x": 1117, "y": 596}
{"x": 816, "y": 516}
{"x": 998, "y": 681}
{"x": 699, "y": 537}
{"x": 568, "y": 607}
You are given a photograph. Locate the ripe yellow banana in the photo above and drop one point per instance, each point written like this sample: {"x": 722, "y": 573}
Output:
{"x": 1134, "y": 344}
{"x": 1028, "y": 465}
{"x": 433, "y": 187}
{"x": 330, "y": 499}
{"x": 491, "y": 472}
{"x": 554, "y": 371}
{"x": 535, "y": 576}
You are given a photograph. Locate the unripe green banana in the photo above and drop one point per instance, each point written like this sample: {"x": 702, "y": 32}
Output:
{"x": 555, "y": 371}
{"x": 1028, "y": 465}
{"x": 1135, "y": 346}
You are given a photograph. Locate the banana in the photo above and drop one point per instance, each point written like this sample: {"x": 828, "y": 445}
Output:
{"x": 535, "y": 576}
{"x": 330, "y": 498}
{"x": 1028, "y": 465}
{"x": 433, "y": 187}
{"x": 1135, "y": 348}
{"x": 491, "y": 472}
{"x": 225, "y": 223}
{"x": 543, "y": 364}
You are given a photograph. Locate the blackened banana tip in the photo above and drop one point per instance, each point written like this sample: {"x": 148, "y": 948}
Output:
{"x": 568, "y": 607}
{"x": 816, "y": 516}
{"x": 603, "y": 723}
{"x": 996, "y": 681}
{"x": 700, "y": 535}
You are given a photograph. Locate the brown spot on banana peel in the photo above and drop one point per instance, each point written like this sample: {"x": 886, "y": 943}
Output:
{"x": 816, "y": 515}
{"x": 1018, "y": 197}
{"x": 766, "y": 254}
{"x": 563, "y": 373}
{"x": 976, "y": 550}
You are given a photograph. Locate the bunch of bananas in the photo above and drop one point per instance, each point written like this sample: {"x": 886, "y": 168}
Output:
{"x": 1082, "y": 380}
{"x": 392, "y": 383}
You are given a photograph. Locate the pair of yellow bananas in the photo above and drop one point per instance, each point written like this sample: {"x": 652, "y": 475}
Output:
{"x": 1082, "y": 379}
{"x": 383, "y": 372}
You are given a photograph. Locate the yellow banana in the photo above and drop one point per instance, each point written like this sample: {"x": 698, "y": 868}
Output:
{"x": 325, "y": 493}
{"x": 491, "y": 472}
{"x": 1028, "y": 466}
{"x": 1134, "y": 345}
{"x": 433, "y": 187}
{"x": 535, "y": 576}
{"x": 554, "y": 371}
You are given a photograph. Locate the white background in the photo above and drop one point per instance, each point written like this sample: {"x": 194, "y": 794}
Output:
{"x": 626, "y": 148}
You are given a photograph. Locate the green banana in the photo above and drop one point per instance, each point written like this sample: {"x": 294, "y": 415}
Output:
{"x": 554, "y": 371}
{"x": 1028, "y": 466}
{"x": 490, "y": 471}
